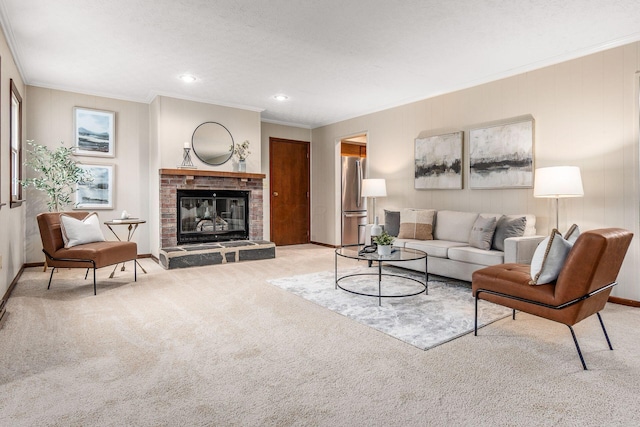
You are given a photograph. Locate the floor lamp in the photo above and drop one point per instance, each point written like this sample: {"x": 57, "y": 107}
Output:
{"x": 558, "y": 182}
{"x": 374, "y": 188}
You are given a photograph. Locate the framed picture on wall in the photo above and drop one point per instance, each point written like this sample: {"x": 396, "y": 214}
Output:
{"x": 97, "y": 194}
{"x": 501, "y": 156}
{"x": 438, "y": 162}
{"x": 94, "y": 132}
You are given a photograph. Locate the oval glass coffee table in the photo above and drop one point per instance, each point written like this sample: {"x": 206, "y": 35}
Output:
{"x": 398, "y": 255}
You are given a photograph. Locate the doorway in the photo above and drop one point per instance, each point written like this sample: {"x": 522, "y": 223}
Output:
{"x": 289, "y": 172}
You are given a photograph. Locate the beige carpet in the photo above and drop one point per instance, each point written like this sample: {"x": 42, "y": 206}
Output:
{"x": 220, "y": 346}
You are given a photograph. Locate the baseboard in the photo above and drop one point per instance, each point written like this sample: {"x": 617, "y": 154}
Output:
{"x": 623, "y": 301}
{"x": 7, "y": 294}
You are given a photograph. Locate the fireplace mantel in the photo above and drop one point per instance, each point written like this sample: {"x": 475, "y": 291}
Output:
{"x": 219, "y": 174}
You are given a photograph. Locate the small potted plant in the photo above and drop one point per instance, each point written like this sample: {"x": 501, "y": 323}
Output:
{"x": 384, "y": 242}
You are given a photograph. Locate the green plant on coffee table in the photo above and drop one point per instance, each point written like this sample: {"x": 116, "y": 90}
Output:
{"x": 58, "y": 173}
{"x": 384, "y": 239}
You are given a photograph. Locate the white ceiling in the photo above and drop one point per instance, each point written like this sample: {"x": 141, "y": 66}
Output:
{"x": 335, "y": 59}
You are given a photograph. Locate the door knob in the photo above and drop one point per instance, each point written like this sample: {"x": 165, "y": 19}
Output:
{"x": 275, "y": 194}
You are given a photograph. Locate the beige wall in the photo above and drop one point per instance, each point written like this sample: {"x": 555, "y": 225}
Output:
{"x": 586, "y": 114}
{"x": 271, "y": 130}
{"x": 12, "y": 242}
{"x": 50, "y": 121}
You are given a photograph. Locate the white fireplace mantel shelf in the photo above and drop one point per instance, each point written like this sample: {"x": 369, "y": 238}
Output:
{"x": 221, "y": 174}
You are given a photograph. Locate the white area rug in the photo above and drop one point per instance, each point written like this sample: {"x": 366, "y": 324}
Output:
{"x": 424, "y": 321}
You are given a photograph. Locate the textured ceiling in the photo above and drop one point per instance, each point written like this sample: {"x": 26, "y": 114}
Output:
{"x": 335, "y": 59}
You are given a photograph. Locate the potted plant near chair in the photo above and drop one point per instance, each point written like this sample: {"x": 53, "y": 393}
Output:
{"x": 58, "y": 173}
{"x": 384, "y": 242}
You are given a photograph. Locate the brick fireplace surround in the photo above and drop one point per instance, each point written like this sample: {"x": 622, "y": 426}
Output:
{"x": 193, "y": 179}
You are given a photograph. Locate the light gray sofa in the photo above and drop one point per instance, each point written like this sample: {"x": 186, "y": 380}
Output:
{"x": 450, "y": 253}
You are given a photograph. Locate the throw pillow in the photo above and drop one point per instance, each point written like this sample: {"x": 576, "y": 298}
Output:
{"x": 572, "y": 235}
{"x": 416, "y": 224}
{"x": 508, "y": 227}
{"x": 392, "y": 222}
{"x": 78, "y": 232}
{"x": 482, "y": 233}
{"x": 548, "y": 259}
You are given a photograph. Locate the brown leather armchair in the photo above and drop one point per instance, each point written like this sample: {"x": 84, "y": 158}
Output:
{"x": 582, "y": 288}
{"x": 89, "y": 255}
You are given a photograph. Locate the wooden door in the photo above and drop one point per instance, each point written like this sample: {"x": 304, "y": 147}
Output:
{"x": 289, "y": 171}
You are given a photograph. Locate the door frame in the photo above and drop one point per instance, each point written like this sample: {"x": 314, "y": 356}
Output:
{"x": 338, "y": 181}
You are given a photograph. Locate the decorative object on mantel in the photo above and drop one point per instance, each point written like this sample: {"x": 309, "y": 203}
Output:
{"x": 186, "y": 158}
{"x": 58, "y": 173}
{"x": 558, "y": 182}
{"x": 241, "y": 151}
{"x": 374, "y": 188}
{"x": 501, "y": 156}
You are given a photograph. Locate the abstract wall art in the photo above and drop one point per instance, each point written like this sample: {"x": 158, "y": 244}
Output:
{"x": 438, "y": 162}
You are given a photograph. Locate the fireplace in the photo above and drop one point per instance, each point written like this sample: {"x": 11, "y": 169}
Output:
{"x": 212, "y": 216}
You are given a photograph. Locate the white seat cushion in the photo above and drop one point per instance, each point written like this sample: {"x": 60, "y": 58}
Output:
{"x": 476, "y": 256}
{"x": 434, "y": 248}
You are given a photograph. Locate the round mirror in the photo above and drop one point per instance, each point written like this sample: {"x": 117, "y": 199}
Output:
{"x": 212, "y": 143}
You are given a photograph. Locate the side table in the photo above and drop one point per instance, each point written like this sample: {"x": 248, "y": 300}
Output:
{"x": 132, "y": 224}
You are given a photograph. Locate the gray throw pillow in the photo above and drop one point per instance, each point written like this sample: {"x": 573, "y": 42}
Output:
{"x": 392, "y": 222}
{"x": 482, "y": 233}
{"x": 508, "y": 227}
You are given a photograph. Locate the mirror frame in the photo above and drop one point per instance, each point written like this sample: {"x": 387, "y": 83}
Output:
{"x": 200, "y": 156}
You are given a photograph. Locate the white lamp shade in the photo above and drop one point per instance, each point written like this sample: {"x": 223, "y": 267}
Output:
{"x": 558, "y": 182}
{"x": 374, "y": 188}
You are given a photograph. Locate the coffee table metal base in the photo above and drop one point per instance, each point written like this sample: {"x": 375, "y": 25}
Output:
{"x": 424, "y": 286}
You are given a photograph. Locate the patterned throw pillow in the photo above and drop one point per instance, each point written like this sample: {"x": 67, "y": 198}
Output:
{"x": 548, "y": 259}
{"x": 572, "y": 235}
{"x": 482, "y": 233}
{"x": 78, "y": 232}
{"x": 416, "y": 224}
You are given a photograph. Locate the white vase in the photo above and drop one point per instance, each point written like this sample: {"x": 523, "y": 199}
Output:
{"x": 384, "y": 250}
{"x": 242, "y": 165}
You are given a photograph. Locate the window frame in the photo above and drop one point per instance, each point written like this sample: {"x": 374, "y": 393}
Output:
{"x": 15, "y": 150}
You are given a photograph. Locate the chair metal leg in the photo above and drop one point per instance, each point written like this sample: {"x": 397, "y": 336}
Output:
{"x": 604, "y": 330}
{"x": 575, "y": 340}
{"x": 51, "y": 276}
{"x": 135, "y": 270}
{"x": 94, "y": 282}
{"x": 475, "y": 325}
{"x": 513, "y": 316}
{"x": 86, "y": 274}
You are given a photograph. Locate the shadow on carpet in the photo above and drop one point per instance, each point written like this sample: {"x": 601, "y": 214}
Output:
{"x": 424, "y": 321}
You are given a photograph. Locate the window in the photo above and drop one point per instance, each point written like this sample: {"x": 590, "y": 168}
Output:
{"x": 15, "y": 131}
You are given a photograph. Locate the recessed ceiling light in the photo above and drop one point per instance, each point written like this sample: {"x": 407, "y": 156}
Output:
{"x": 188, "y": 78}
{"x": 280, "y": 97}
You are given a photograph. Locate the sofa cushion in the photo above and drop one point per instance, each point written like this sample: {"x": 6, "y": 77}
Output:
{"x": 434, "y": 248}
{"x": 454, "y": 226}
{"x": 392, "y": 222}
{"x": 80, "y": 231}
{"x": 482, "y": 232}
{"x": 416, "y": 224}
{"x": 476, "y": 256}
{"x": 548, "y": 259}
{"x": 572, "y": 234}
{"x": 508, "y": 226}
